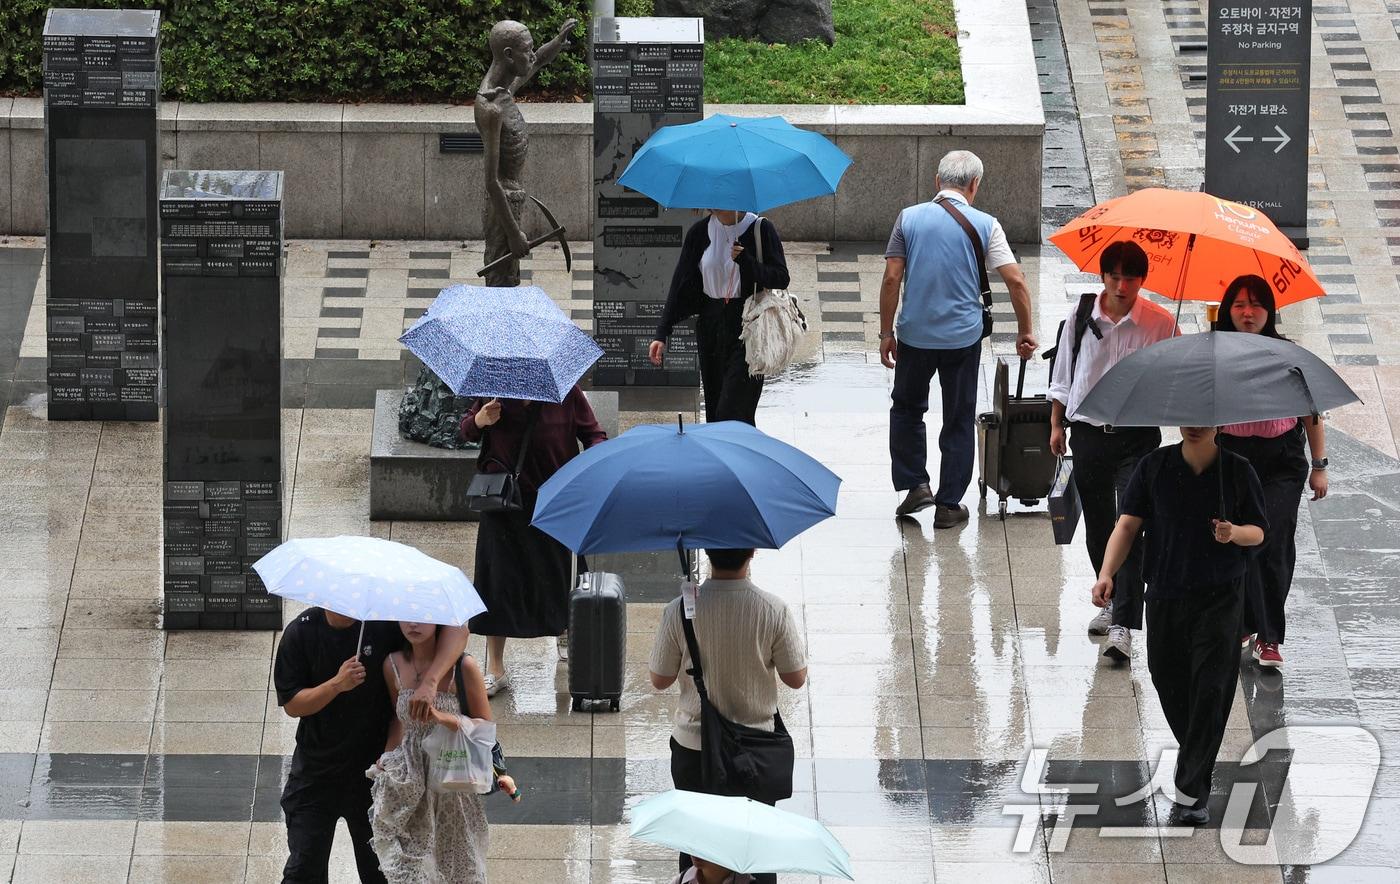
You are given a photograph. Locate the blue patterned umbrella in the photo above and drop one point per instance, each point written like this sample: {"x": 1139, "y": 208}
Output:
{"x": 506, "y": 342}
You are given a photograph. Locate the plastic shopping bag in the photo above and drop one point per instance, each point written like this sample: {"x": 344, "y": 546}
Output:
{"x": 460, "y": 760}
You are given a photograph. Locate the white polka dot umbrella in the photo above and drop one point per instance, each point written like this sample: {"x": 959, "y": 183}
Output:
{"x": 370, "y": 579}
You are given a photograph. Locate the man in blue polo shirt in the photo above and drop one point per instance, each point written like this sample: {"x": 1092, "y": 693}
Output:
{"x": 931, "y": 253}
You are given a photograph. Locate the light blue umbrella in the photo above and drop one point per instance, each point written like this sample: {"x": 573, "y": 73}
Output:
{"x": 740, "y": 834}
{"x": 507, "y": 342}
{"x": 723, "y": 485}
{"x": 750, "y": 164}
{"x": 366, "y": 578}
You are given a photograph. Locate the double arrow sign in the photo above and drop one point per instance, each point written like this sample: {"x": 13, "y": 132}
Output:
{"x": 1234, "y": 139}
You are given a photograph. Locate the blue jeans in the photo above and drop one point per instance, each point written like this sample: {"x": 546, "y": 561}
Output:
{"x": 914, "y": 369}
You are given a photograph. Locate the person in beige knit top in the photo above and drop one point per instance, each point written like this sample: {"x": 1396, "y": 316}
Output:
{"x": 748, "y": 641}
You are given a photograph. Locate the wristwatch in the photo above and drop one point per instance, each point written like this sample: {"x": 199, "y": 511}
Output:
{"x": 1319, "y": 463}
{"x": 888, "y": 334}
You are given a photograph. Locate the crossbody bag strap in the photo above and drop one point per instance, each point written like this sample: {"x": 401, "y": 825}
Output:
{"x": 534, "y": 409}
{"x": 758, "y": 251}
{"x": 977, "y": 249}
{"x": 695, "y": 672}
{"x": 534, "y": 412}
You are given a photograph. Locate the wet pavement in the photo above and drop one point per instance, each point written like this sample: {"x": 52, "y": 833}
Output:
{"x": 940, "y": 661}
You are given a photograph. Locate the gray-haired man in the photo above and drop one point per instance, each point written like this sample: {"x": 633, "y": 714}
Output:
{"x": 940, "y": 332}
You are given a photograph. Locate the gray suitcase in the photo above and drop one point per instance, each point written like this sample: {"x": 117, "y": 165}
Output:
{"x": 597, "y": 639}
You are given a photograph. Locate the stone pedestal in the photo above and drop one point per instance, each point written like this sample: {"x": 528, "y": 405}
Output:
{"x": 412, "y": 481}
{"x": 221, "y": 254}
{"x": 101, "y": 90}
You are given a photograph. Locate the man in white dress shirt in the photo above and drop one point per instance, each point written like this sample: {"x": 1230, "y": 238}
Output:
{"x": 1119, "y": 323}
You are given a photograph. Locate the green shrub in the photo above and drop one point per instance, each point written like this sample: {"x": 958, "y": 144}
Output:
{"x": 886, "y": 52}
{"x": 306, "y": 50}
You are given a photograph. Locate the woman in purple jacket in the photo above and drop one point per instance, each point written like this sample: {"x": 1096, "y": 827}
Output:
{"x": 522, "y": 573}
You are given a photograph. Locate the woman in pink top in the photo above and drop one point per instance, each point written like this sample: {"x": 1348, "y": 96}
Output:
{"x": 1275, "y": 449}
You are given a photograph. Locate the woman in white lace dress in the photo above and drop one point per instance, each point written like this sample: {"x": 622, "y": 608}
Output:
{"x": 420, "y": 835}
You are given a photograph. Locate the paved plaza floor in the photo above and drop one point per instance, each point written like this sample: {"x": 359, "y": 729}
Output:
{"x": 939, "y": 660}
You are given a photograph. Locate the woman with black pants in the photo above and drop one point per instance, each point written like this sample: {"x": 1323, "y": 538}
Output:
{"x": 1276, "y": 451}
{"x": 717, "y": 271}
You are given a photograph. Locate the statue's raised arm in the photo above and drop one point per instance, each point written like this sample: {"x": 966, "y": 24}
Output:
{"x": 548, "y": 52}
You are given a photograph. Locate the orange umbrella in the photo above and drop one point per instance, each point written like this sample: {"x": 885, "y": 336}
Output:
{"x": 1195, "y": 243}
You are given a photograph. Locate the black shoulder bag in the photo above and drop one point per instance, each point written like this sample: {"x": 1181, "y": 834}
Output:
{"x": 498, "y": 757}
{"x": 500, "y": 492}
{"x": 983, "y": 282}
{"x": 736, "y": 759}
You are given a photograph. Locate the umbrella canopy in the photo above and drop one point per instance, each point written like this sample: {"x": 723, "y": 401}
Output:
{"x": 507, "y": 342}
{"x": 723, "y": 485}
{"x": 751, "y": 164}
{"x": 1213, "y": 379}
{"x": 740, "y": 834}
{"x": 1195, "y": 243}
{"x": 370, "y": 579}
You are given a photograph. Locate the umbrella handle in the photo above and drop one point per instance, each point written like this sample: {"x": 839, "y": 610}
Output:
{"x": 685, "y": 561}
{"x": 360, "y": 642}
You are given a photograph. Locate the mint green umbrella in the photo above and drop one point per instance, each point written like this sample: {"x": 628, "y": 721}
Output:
{"x": 740, "y": 834}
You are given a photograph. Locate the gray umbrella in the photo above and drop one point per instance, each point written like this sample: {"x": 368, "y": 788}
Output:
{"x": 1212, "y": 379}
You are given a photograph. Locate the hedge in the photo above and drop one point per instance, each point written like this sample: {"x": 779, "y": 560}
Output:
{"x": 319, "y": 50}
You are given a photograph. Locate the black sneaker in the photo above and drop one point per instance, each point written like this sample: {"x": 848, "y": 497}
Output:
{"x": 948, "y": 516}
{"x": 1193, "y": 816}
{"x": 918, "y": 499}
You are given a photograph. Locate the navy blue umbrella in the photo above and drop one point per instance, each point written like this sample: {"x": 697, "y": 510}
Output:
{"x": 722, "y": 485}
{"x": 506, "y": 342}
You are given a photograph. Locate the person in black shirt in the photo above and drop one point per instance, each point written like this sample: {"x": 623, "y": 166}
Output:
{"x": 1201, "y": 507}
{"x": 334, "y": 683}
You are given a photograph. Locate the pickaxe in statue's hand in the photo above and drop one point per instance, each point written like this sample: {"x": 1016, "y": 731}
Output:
{"x": 556, "y": 232}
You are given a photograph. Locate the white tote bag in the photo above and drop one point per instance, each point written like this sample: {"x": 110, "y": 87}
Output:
{"x": 773, "y": 325}
{"x": 460, "y": 760}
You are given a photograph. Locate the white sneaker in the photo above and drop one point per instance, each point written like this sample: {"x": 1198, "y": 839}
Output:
{"x": 1101, "y": 622}
{"x": 1119, "y": 646}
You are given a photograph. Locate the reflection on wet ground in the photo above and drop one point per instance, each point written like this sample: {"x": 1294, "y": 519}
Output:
{"x": 939, "y": 660}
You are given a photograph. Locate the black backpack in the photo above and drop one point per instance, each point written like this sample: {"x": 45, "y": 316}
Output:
{"x": 1082, "y": 315}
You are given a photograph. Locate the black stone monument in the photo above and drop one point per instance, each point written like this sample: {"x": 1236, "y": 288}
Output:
{"x": 221, "y": 262}
{"x": 647, "y": 73}
{"x": 101, "y": 91}
{"x": 1257, "y": 94}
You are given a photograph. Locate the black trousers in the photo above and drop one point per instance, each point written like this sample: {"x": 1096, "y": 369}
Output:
{"x": 730, "y": 393}
{"x": 1103, "y": 463}
{"x": 1193, "y": 654}
{"x": 686, "y": 774}
{"x": 914, "y": 369}
{"x": 1283, "y": 471}
{"x": 311, "y": 808}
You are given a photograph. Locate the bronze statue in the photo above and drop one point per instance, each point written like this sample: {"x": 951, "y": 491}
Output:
{"x": 430, "y": 411}
{"x": 514, "y": 62}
